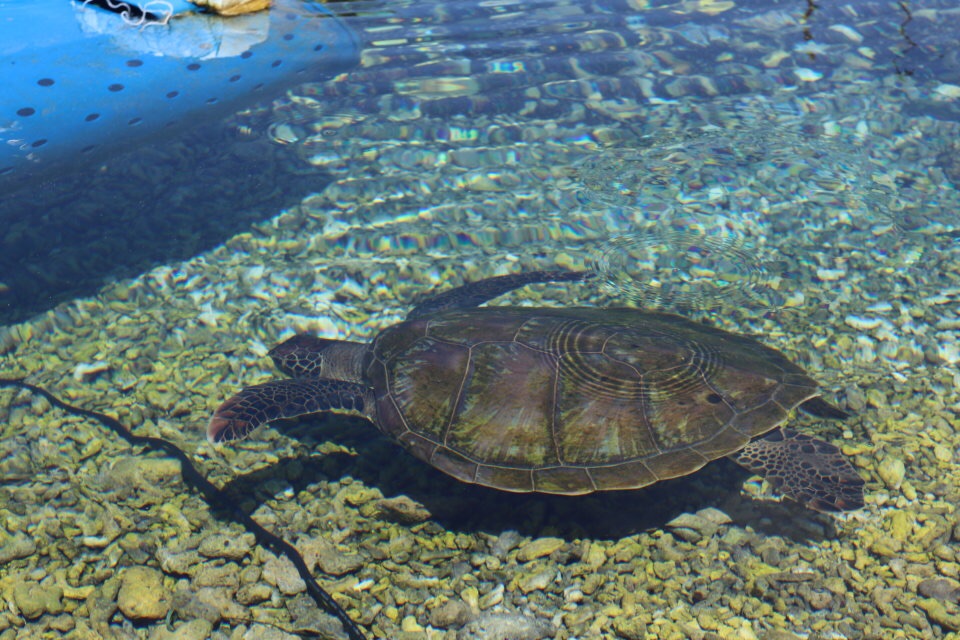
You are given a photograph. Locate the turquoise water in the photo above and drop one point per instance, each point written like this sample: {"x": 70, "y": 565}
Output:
{"x": 783, "y": 170}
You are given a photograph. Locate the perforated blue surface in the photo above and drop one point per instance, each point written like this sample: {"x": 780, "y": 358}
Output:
{"x": 79, "y": 80}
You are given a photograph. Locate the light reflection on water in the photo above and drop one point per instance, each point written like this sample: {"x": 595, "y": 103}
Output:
{"x": 597, "y": 129}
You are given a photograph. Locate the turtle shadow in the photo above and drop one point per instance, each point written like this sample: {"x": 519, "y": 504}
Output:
{"x": 377, "y": 462}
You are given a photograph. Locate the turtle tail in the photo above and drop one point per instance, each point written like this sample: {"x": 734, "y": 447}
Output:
{"x": 236, "y": 418}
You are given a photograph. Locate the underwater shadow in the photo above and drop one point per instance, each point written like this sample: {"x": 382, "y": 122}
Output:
{"x": 65, "y": 237}
{"x": 464, "y": 508}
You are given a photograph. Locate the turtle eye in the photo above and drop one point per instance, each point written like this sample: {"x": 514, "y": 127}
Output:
{"x": 714, "y": 398}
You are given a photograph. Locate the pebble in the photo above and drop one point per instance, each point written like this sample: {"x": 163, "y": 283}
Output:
{"x": 693, "y": 528}
{"x": 281, "y": 573}
{"x": 452, "y": 613}
{"x": 536, "y": 581}
{"x": 15, "y": 547}
{"x": 86, "y": 371}
{"x": 267, "y": 632}
{"x": 403, "y": 510}
{"x": 538, "y": 548}
{"x": 831, "y": 275}
{"x": 506, "y": 626}
{"x": 250, "y": 594}
{"x": 901, "y": 526}
{"x": 492, "y": 598}
{"x": 142, "y": 595}
{"x": 231, "y": 547}
{"x": 329, "y": 558}
{"x": 178, "y": 562}
{"x": 310, "y": 621}
{"x": 409, "y": 624}
{"x": 216, "y": 603}
{"x": 950, "y": 91}
{"x": 939, "y": 614}
{"x": 939, "y": 588}
{"x": 807, "y": 75}
{"x": 862, "y": 323}
{"x": 198, "y": 629}
{"x": 892, "y": 471}
{"x": 357, "y": 495}
{"x": 34, "y": 600}
{"x": 142, "y": 473}
{"x": 211, "y": 575}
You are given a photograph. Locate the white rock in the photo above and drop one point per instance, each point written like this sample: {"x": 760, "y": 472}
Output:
{"x": 862, "y": 323}
{"x": 830, "y": 275}
{"x": 86, "y": 370}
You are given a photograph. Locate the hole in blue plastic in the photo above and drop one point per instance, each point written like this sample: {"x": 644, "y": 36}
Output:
{"x": 288, "y": 36}
{"x": 6, "y": 171}
{"x": 26, "y": 111}
{"x": 276, "y": 63}
{"x": 45, "y": 82}
{"x": 234, "y": 78}
{"x": 91, "y": 117}
{"x": 211, "y": 101}
{"x": 246, "y": 54}
{"x": 88, "y": 148}
{"x": 258, "y": 87}
{"x": 193, "y": 66}
{"x": 319, "y": 47}
{"x": 173, "y": 94}
{"x": 135, "y": 121}
{"x": 39, "y": 143}
{"x": 115, "y": 87}
{"x": 134, "y": 63}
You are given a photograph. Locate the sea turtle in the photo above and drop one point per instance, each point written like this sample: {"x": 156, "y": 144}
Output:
{"x": 560, "y": 400}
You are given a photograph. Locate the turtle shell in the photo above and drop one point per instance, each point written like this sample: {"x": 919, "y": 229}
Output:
{"x": 572, "y": 401}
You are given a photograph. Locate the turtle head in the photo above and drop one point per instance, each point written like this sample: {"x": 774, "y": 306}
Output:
{"x": 307, "y": 356}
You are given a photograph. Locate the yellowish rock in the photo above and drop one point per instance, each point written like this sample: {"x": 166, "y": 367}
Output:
{"x": 233, "y": 7}
{"x": 950, "y": 91}
{"x": 538, "y": 548}
{"x": 942, "y": 453}
{"x": 713, "y": 7}
{"x": 142, "y": 595}
{"x": 900, "y": 526}
{"x": 938, "y": 614}
{"x": 892, "y": 471}
{"x": 410, "y": 625}
{"x": 773, "y": 59}
{"x": 595, "y": 557}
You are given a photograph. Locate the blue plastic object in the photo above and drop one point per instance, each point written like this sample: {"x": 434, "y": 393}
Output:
{"x": 80, "y": 80}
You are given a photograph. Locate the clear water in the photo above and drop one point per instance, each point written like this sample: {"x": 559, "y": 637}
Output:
{"x": 787, "y": 170}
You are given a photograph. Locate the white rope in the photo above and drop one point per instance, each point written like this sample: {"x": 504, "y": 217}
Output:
{"x": 160, "y": 8}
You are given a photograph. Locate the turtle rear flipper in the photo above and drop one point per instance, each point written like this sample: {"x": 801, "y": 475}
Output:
{"x": 236, "y": 418}
{"x": 812, "y": 472}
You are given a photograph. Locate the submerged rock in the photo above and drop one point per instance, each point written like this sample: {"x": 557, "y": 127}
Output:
{"x": 142, "y": 595}
{"x": 506, "y": 626}
{"x": 33, "y": 599}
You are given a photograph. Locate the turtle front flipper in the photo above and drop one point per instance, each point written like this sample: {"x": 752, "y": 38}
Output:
{"x": 473, "y": 294}
{"x": 813, "y": 472}
{"x": 256, "y": 405}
